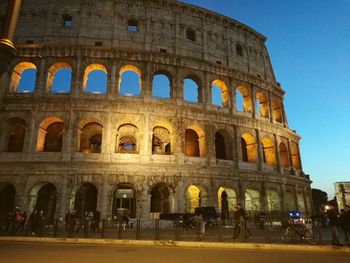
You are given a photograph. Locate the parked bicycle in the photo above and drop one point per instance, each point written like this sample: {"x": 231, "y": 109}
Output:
{"x": 298, "y": 228}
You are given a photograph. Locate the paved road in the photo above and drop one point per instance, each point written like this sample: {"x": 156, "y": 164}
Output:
{"x": 13, "y": 252}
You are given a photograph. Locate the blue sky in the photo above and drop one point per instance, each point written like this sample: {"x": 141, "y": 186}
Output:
{"x": 309, "y": 46}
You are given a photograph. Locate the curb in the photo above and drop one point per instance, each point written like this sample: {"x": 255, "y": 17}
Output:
{"x": 184, "y": 244}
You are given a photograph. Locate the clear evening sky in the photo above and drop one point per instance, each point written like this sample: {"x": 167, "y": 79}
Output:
{"x": 309, "y": 46}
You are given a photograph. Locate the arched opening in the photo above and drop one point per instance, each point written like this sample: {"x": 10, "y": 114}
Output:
{"x": 85, "y": 199}
{"x": 59, "y": 78}
{"x": 283, "y": 151}
{"x": 23, "y": 78}
{"x": 252, "y": 201}
{"x": 195, "y": 197}
{"x": 7, "y": 201}
{"x": 129, "y": 81}
{"x": 161, "y": 141}
{"x": 273, "y": 200}
{"x": 239, "y": 50}
{"x": 261, "y": 105}
{"x": 248, "y": 147}
{"x": 223, "y": 145}
{"x": 54, "y": 137}
{"x": 227, "y": 199}
{"x": 277, "y": 113}
{"x": 95, "y": 79}
{"x": 127, "y": 139}
{"x": 220, "y": 95}
{"x": 268, "y": 151}
{"x": 46, "y": 201}
{"x": 191, "y": 90}
{"x": 289, "y": 201}
{"x": 191, "y": 143}
{"x": 124, "y": 201}
{"x": 50, "y": 135}
{"x": 295, "y": 155}
{"x": 160, "y": 199}
{"x": 243, "y": 99}
{"x": 161, "y": 86}
{"x": 16, "y": 128}
{"x": 91, "y": 138}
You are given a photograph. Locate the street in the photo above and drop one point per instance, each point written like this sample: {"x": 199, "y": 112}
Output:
{"x": 12, "y": 252}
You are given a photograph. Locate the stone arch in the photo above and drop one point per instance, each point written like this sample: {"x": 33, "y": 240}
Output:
{"x": 85, "y": 199}
{"x": 124, "y": 200}
{"x": 44, "y": 198}
{"x": 90, "y": 135}
{"x": 15, "y": 129}
{"x": 7, "y": 200}
{"x": 18, "y": 76}
{"x": 161, "y": 84}
{"x": 248, "y": 147}
{"x": 277, "y": 111}
{"x": 268, "y": 151}
{"x": 136, "y": 75}
{"x": 127, "y": 139}
{"x": 243, "y": 97}
{"x": 194, "y": 141}
{"x": 227, "y": 199}
{"x": 252, "y": 201}
{"x": 223, "y": 145}
{"x": 161, "y": 141}
{"x": 160, "y": 198}
{"x": 52, "y": 81}
{"x": 196, "y": 196}
{"x": 224, "y": 92}
{"x": 273, "y": 200}
{"x": 50, "y": 135}
{"x": 262, "y": 104}
{"x": 294, "y": 151}
{"x": 283, "y": 152}
{"x": 92, "y": 73}
{"x": 192, "y": 89}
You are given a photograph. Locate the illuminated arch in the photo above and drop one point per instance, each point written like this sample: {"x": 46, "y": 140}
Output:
{"x": 248, "y": 147}
{"x": 194, "y": 142}
{"x": 227, "y": 199}
{"x": 50, "y": 135}
{"x": 224, "y": 92}
{"x": 137, "y": 90}
{"x": 268, "y": 151}
{"x": 273, "y": 200}
{"x": 252, "y": 201}
{"x": 92, "y": 74}
{"x": 52, "y": 77}
{"x": 245, "y": 96}
{"x": 295, "y": 155}
{"x": 18, "y": 77}
{"x": 284, "y": 158}
{"x": 127, "y": 139}
{"x": 161, "y": 141}
{"x": 196, "y": 196}
{"x": 262, "y": 105}
{"x": 277, "y": 111}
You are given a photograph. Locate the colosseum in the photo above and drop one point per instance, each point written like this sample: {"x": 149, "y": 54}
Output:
{"x": 143, "y": 106}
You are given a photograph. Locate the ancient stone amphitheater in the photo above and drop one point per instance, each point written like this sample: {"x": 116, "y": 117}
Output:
{"x": 110, "y": 106}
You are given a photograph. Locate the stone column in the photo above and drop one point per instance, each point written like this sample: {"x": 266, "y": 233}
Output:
{"x": 277, "y": 153}
{"x": 40, "y": 87}
{"x": 252, "y": 100}
{"x": 290, "y": 157}
{"x": 103, "y": 197}
{"x": 233, "y": 95}
{"x": 76, "y": 78}
{"x": 106, "y": 148}
{"x": 30, "y": 135}
{"x": 237, "y": 152}
{"x": 295, "y": 193}
{"x": 68, "y": 138}
{"x": 270, "y": 106}
{"x": 63, "y": 200}
{"x": 206, "y": 92}
{"x": 260, "y": 159}
{"x": 146, "y": 89}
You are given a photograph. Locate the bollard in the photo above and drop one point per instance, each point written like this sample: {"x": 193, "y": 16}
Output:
{"x": 156, "y": 228}
{"x": 219, "y": 222}
{"x": 55, "y": 226}
{"x": 138, "y": 229}
{"x": 103, "y": 223}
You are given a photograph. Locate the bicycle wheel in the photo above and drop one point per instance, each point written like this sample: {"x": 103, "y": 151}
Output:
{"x": 313, "y": 236}
{"x": 286, "y": 234}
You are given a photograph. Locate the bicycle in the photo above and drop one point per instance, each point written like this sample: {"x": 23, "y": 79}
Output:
{"x": 305, "y": 232}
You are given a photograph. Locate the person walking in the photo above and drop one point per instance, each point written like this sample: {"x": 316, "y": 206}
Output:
{"x": 240, "y": 227}
{"x": 333, "y": 223}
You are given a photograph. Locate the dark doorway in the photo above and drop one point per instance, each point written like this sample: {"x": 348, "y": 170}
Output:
{"x": 224, "y": 206}
{"x": 160, "y": 199}
{"x": 7, "y": 200}
{"x": 85, "y": 199}
{"x": 46, "y": 201}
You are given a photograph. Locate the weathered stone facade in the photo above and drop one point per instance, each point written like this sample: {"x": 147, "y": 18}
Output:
{"x": 167, "y": 155}
{"x": 342, "y": 193}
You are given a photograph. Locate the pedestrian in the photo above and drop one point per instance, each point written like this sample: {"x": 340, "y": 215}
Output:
{"x": 333, "y": 223}
{"x": 240, "y": 225}
{"x": 200, "y": 225}
{"x": 125, "y": 220}
{"x": 23, "y": 221}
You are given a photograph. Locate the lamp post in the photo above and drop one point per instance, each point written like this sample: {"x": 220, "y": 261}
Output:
{"x": 7, "y": 48}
